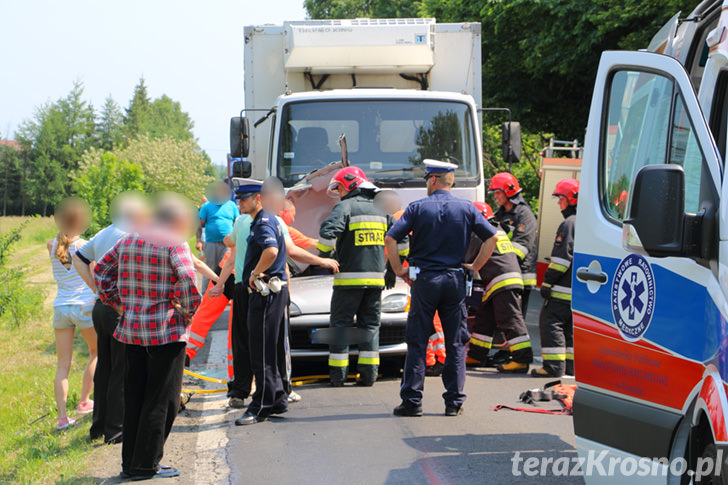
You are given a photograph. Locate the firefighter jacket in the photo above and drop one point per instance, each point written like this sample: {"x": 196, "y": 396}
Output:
{"x": 355, "y": 229}
{"x": 520, "y": 225}
{"x": 558, "y": 273}
{"x": 502, "y": 271}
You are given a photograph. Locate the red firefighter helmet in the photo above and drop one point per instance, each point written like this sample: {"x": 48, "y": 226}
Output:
{"x": 506, "y": 182}
{"x": 568, "y": 188}
{"x": 350, "y": 177}
{"x": 484, "y": 209}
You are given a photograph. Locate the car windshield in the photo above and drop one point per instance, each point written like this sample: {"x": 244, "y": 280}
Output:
{"x": 388, "y": 139}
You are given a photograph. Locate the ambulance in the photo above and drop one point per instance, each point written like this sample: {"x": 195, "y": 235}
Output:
{"x": 651, "y": 260}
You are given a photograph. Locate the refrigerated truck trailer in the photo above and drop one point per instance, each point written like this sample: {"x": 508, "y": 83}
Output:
{"x": 399, "y": 91}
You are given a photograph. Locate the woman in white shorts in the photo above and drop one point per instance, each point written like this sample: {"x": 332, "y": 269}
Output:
{"x": 72, "y": 306}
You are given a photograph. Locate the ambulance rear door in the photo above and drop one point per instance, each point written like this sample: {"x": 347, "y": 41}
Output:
{"x": 646, "y": 299}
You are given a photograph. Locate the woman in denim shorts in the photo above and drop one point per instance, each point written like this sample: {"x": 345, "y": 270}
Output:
{"x": 72, "y": 306}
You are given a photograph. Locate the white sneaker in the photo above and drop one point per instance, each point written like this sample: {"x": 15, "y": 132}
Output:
{"x": 294, "y": 397}
{"x": 63, "y": 425}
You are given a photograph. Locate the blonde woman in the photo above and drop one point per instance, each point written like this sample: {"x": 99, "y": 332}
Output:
{"x": 72, "y": 306}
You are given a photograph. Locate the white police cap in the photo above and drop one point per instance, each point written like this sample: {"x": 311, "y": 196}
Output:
{"x": 246, "y": 187}
{"x": 436, "y": 166}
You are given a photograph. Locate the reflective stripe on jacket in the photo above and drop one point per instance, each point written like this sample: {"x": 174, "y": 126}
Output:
{"x": 355, "y": 230}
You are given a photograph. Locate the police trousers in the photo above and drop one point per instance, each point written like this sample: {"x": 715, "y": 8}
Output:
{"x": 364, "y": 304}
{"x": 557, "y": 337}
{"x": 501, "y": 311}
{"x": 444, "y": 292}
{"x": 266, "y": 322}
{"x": 242, "y": 378}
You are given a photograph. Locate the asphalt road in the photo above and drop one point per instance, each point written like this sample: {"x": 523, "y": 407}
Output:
{"x": 349, "y": 435}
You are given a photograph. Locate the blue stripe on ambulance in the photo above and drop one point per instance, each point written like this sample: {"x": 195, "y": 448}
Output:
{"x": 686, "y": 321}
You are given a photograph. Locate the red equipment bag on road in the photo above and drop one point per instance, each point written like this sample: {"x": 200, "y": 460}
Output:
{"x": 553, "y": 391}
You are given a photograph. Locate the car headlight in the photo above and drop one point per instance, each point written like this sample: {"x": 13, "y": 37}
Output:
{"x": 293, "y": 310}
{"x": 395, "y": 304}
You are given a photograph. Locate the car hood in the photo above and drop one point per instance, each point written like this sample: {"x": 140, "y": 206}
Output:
{"x": 312, "y": 294}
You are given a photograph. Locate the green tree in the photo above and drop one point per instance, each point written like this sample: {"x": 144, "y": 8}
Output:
{"x": 344, "y": 9}
{"x": 100, "y": 177}
{"x": 169, "y": 165}
{"x": 158, "y": 118}
{"x": 540, "y": 56}
{"x": 11, "y": 173}
{"x": 527, "y": 172}
{"x": 138, "y": 112}
{"x": 110, "y": 125}
{"x": 168, "y": 119}
{"x": 53, "y": 142}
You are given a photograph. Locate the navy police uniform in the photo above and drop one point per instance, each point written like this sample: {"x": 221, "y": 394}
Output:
{"x": 266, "y": 318}
{"x": 441, "y": 225}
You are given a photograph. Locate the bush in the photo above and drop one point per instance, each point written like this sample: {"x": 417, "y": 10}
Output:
{"x": 527, "y": 172}
{"x": 100, "y": 177}
{"x": 19, "y": 302}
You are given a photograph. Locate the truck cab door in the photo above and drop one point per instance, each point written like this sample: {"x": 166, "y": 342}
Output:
{"x": 645, "y": 327}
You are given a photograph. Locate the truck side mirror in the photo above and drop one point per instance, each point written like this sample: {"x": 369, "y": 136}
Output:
{"x": 242, "y": 169}
{"x": 239, "y": 137}
{"x": 657, "y": 211}
{"x": 511, "y": 142}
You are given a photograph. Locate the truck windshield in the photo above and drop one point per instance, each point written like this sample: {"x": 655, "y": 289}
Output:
{"x": 388, "y": 139}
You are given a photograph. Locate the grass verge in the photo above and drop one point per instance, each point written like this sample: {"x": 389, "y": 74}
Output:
{"x": 31, "y": 451}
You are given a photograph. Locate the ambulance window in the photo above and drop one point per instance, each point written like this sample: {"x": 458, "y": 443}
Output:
{"x": 685, "y": 151}
{"x": 635, "y": 134}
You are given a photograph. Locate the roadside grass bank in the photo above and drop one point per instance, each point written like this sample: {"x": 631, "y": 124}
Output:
{"x": 31, "y": 451}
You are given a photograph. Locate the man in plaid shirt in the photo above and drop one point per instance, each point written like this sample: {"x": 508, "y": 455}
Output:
{"x": 149, "y": 277}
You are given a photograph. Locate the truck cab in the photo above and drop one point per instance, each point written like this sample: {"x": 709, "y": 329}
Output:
{"x": 650, "y": 281}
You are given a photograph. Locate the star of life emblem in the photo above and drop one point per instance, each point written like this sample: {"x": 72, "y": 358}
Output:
{"x": 633, "y": 297}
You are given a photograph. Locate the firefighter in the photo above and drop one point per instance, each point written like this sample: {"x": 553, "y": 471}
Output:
{"x": 555, "y": 323}
{"x": 355, "y": 228}
{"x": 518, "y": 221}
{"x": 501, "y": 306}
{"x": 441, "y": 225}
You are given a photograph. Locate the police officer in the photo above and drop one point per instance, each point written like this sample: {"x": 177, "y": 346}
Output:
{"x": 501, "y": 306}
{"x": 441, "y": 225}
{"x": 518, "y": 221}
{"x": 265, "y": 272}
{"x": 555, "y": 323}
{"x": 356, "y": 230}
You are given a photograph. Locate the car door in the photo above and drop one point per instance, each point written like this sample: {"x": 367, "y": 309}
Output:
{"x": 645, "y": 328}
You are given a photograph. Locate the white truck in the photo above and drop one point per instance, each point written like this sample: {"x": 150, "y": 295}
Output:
{"x": 400, "y": 90}
{"x": 650, "y": 287}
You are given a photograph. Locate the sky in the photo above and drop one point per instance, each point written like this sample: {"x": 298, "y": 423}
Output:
{"x": 191, "y": 51}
